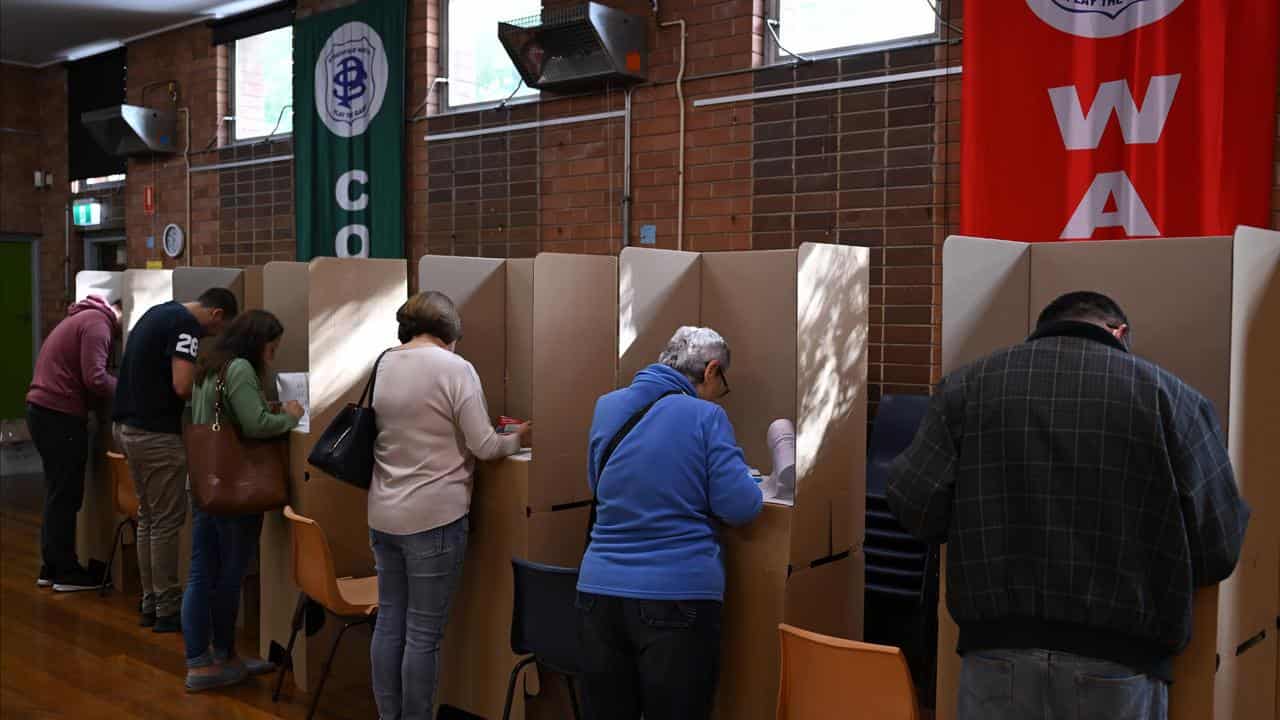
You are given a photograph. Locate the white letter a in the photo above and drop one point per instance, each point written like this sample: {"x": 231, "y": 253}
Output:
{"x": 1130, "y": 213}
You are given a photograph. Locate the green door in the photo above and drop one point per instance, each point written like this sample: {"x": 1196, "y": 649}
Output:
{"x": 16, "y": 318}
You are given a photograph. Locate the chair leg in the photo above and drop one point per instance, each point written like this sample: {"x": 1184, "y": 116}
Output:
{"x": 511, "y": 686}
{"x": 573, "y": 696}
{"x": 328, "y": 664}
{"x": 111, "y": 557}
{"x": 287, "y": 663}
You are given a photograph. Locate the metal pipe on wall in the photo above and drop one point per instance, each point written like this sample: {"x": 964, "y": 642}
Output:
{"x": 626, "y": 169}
{"x": 186, "y": 158}
{"x": 680, "y": 171}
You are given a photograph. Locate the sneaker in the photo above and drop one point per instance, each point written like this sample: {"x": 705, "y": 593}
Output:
{"x": 168, "y": 623}
{"x": 77, "y": 580}
{"x": 227, "y": 675}
{"x": 45, "y": 579}
{"x": 147, "y": 619}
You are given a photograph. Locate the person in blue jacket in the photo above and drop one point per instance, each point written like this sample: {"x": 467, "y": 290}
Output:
{"x": 652, "y": 581}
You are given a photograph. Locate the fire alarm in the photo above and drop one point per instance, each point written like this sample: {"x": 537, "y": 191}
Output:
{"x": 173, "y": 240}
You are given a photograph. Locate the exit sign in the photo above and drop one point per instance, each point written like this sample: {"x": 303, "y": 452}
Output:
{"x": 86, "y": 212}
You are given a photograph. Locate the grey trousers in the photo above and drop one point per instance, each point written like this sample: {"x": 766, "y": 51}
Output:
{"x": 158, "y": 464}
{"x": 1040, "y": 684}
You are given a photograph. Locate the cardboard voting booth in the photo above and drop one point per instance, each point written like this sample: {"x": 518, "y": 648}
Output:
{"x": 520, "y": 508}
{"x": 138, "y": 291}
{"x": 796, "y": 324}
{"x": 338, "y": 314}
{"x": 1208, "y": 310}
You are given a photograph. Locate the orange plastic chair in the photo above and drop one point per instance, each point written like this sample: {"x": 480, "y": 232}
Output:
{"x": 825, "y": 678}
{"x": 125, "y": 499}
{"x": 354, "y": 601}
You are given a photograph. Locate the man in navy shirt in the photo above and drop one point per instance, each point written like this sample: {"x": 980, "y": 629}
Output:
{"x": 155, "y": 382}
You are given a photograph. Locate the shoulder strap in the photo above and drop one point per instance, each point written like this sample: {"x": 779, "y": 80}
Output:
{"x": 608, "y": 453}
{"x": 373, "y": 376}
{"x": 623, "y": 431}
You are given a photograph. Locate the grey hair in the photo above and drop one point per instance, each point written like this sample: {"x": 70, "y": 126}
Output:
{"x": 691, "y": 349}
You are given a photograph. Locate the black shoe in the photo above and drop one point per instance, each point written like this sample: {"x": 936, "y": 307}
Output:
{"x": 168, "y": 623}
{"x": 46, "y": 578}
{"x": 77, "y": 580}
{"x": 147, "y": 619}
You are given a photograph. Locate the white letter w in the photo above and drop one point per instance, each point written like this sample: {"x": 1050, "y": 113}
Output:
{"x": 1137, "y": 124}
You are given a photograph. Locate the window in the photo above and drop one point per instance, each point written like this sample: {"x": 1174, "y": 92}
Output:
{"x": 105, "y": 181}
{"x": 833, "y": 27}
{"x": 262, "y": 84}
{"x": 478, "y": 68}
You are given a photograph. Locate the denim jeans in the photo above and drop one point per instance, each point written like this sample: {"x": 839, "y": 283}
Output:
{"x": 417, "y": 576}
{"x": 221, "y": 547}
{"x": 656, "y": 658}
{"x": 1023, "y": 684}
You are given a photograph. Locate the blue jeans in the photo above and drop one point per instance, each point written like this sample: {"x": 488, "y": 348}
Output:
{"x": 417, "y": 576}
{"x": 221, "y": 547}
{"x": 1024, "y": 684}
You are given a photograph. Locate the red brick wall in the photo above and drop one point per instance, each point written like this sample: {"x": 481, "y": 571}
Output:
{"x": 875, "y": 166}
{"x": 33, "y": 102}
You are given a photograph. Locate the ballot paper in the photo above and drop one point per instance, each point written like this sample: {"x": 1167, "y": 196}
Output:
{"x": 293, "y": 386}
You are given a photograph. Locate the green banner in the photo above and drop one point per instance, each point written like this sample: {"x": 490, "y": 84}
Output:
{"x": 348, "y": 131}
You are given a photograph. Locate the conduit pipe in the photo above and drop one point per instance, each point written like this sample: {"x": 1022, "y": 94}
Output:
{"x": 186, "y": 158}
{"x": 626, "y": 169}
{"x": 680, "y": 171}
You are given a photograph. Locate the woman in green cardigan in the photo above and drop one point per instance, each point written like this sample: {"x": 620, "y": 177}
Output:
{"x": 222, "y": 545}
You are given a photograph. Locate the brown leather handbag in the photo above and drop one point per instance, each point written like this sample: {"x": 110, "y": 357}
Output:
{"x": 231, "y": 474}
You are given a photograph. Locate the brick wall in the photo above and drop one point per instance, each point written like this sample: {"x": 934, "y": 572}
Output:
{"x": 875, "y": 166}
{"x": 33, "y": 115}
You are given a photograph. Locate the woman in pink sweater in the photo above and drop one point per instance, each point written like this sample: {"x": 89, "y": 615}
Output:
{"x": 70, "y": 377}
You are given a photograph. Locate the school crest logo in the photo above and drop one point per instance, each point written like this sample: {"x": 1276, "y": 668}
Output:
{"x": 351, "y": 79}
{"x": 1101, "y": 18}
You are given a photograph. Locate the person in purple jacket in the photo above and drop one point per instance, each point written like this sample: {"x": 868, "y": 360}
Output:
{"x": 70, "y": 378}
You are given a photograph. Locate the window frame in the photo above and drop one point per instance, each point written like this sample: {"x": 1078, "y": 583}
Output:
{"x": 773, "y": 55}
{"x": 446, "y": 107}
{"x": 232, "y": 111}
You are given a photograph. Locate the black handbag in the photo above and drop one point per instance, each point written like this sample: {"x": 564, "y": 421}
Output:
{"x": 608, "y": 453}
{"x": 345, "y": 448}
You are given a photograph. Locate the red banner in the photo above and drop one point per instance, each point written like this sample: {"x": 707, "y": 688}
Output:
{"x": 1104, "y": 119}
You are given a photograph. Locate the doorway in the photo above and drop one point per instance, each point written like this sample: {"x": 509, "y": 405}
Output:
{"x": 19, "y": 327}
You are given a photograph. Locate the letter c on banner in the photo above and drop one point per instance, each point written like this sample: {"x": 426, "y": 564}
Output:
{"x": 344, "y": 236}
{"x": 343, "y": 190}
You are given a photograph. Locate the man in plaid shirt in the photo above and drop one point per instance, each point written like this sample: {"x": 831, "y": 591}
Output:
{"x": 1083, "y": 493}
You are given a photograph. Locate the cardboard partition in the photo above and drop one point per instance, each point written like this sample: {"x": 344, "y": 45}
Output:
{"x": 520, "y": 338}
{"x": 658, "y": 292}
{"x": 143, "y": 290}
{"x": 191, "y": 282}
{"x": 253, "y": 287}
{"x": 352, "y": 305}
{"x": 796, "y": 324}
{"x": 476, "y": 658}
{"x": 338, "y": 313}
{"x": 575, "y": 328}
{"x": 106, "y": 284}
{"x": 833, "y": 298}
{"x": 749, "y": 298}
{"x": 478, "y": 287}
{"x": 1197, "y": 307}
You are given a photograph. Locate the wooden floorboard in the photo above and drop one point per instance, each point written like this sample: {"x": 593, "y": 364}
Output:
{"x": 83, "y": 656}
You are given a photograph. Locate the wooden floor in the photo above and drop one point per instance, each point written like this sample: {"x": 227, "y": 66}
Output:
{"x": 82, "y": 656}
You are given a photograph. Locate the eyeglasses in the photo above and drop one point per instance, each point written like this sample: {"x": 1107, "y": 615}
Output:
{"x": 723, "y": 380}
